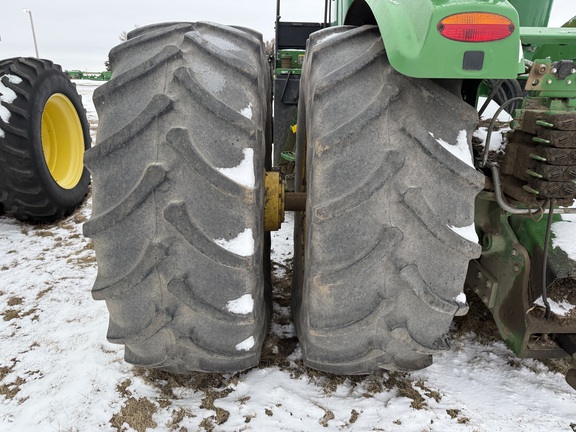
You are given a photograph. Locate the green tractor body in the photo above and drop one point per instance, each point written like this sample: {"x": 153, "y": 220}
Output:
{"x": 396, "y": 211}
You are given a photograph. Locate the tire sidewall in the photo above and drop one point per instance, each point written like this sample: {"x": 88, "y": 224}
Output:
{"x": 47, "y": 84}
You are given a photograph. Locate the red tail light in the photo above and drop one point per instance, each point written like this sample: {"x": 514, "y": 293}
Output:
{"x": 476, "y": 27}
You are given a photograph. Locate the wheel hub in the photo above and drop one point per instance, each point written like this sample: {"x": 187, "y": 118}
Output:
{"x": 62, "y": 141}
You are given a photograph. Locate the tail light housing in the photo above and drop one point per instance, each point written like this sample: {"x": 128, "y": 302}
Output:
{"x": 476, "y": 27}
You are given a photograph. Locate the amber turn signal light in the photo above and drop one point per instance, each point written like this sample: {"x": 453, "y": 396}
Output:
{"x": 476, "y": 27}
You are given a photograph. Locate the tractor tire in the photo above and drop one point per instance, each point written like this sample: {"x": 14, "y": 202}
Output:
{"x": 178, "y": 198}
{"x": 43, "y": 136}
{"x": 379, "y": 264}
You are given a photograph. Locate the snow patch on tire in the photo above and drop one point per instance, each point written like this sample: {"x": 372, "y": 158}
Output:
{"x": 246, "y": 345}
{"x": 7, "y": 96}
{"x": 244, "y": 173}
{"x": 461, "y": 149}
{"x": 242, "y": 306}
{"x": 242, "y": 245}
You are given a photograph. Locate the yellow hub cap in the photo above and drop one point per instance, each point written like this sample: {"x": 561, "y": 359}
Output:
{"x": 274, "y": 201}
{"x": 63, "y": 141}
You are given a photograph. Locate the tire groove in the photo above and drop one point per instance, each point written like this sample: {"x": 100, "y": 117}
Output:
{"x": 191, "y": 344}
{"x": 208, "y": 100}
{"x": 106, "y": 287}
{"x": 392, "y": 162}
{"x": 153, "y": 177}
{"x": 227, "y": 59}
{"x": 179, "y": 141}
{"x": 422, "y": 290}
{"x": 182, "y": 289}
{"x": 464, "y": 172}
{"x": 350, "y": 364}
{"x": 386, "y": 240}
{"x": 152, "y": 36}
{"x": 158, "y": 322}
{"x": 145, "y": 68}
{"x": 345, "y": 33}
{"x": 364, "y": 60}
{"x": 414, "y": 200}
{"x": 382, "y": 308}
{"x": 335, "y": 137}
{"x": 158, "y": 106}
{"x": 178, "y": 217}
{"x": 402, "y": 335}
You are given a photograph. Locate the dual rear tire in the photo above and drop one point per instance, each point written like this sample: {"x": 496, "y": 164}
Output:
{"x": 178, "y": 192}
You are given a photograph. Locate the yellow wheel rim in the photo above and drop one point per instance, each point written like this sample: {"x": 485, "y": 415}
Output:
{"x": 63, "y": 141}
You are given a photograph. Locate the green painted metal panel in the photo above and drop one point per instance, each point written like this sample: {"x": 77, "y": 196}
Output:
{"x": 555, "y": 43}
{"x": 533, "y": 13}
{"x": 416, "y": 48}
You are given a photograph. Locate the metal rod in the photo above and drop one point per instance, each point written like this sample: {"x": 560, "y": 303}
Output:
{"x": 502, "y": 201}
{"x": 545, "y": 258}
{"x": 29, "y": 12}
{"x": 295, "y": 201}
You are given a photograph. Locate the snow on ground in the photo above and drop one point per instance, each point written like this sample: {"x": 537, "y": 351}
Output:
{"x": 58, "y": 372}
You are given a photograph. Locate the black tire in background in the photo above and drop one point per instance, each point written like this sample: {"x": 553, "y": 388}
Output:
{"x": 379, "y": 265}
{"x": 177, "y": 228}
{"x": 43, "y": 135}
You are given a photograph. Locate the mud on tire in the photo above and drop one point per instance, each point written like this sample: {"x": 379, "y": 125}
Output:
{"x": 43, "y": 135}
{"x": 178, "y": 193}
{"x": 381, "y": 264}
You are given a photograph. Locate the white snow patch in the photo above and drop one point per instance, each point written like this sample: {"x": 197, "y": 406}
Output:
{"x": 242, "y": 306}
{"x": 460, "y": 149}
{"x": 282, "y": 250}
{"x": 468, "y": 233}
{"x": 246, "y": 345}
{"x": 7, "y": 95}
{"x": 242, "y": 245}
{"x": 564, "y": 233}
{"x": 244, "y": 173}
{"x": 497, "y": 140}
{"x": 558, "y": 309}
{"x": 461, "y": 298}
{"x": 247, "y": 112}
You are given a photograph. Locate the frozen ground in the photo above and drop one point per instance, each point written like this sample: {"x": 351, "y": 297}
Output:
{"x": 58, "y": 372}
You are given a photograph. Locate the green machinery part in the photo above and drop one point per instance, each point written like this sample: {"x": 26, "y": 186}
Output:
{"x": 415, "y": 47}
{"x": 93, "y": 76}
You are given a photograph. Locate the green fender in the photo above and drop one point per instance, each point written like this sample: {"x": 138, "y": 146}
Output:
{"x": 416, "y": 48}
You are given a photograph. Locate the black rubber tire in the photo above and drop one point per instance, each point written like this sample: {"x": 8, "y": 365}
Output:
{"x": 185, "y": 101}
{"x": 27, "y": 189}
{"x": 379, "y": 270}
